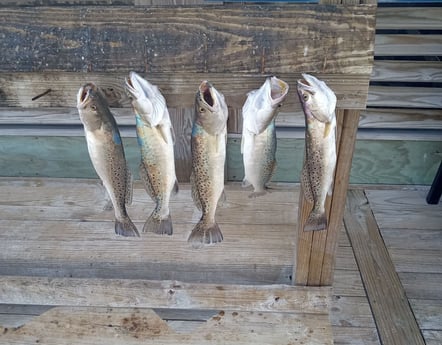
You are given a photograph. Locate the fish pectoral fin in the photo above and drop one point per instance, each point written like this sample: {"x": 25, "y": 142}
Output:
{"x": 164, "y": 132}
{"x": 306, "y": 185}
{"x": 327, "y": 129}
{"x": 129, "y": 186}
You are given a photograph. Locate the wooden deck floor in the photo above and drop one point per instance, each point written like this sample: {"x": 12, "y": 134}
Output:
{"x": 390, "y": 250}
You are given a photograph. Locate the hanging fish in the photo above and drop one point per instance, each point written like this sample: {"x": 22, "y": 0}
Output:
{"x": 156, "y": 141}
{"x": 107, "y": 153}
{"x": 319, "y": 103}
{"x": 258, "y": 144}
{"x": 208, "y": 146}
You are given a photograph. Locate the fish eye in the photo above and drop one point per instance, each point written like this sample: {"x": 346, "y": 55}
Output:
{"x": 93, "y": 107}
{"x": 305, "y": 96}
{"x": 201, "y": 110}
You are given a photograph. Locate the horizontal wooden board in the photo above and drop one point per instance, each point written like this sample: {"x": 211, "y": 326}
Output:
{"x": 408, "y": 45}
{"x": 67, "y": 233}
{"x": 35, "y": 120}
{"x": 405, "y": 209}
{"x": 232, "y": 38}
{"x": 124, "y": 293}
{"x": 406, "y": 71}
{"x": 409, "y": 18}
{"x": 114, "y": 326}
{"x": 404, "y": 96}
{"x": 355, "y": 335}
{"x": 427, "y": 313}
{"x": 18, "y": 89}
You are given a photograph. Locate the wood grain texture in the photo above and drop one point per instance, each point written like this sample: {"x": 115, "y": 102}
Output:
{"x": 408, "y": 45}
{"x": 231, "y": 38}
{"x": 113, "y": 326}
{"x": 409, "y": 18}
{"x": 404, "y": 97}
{"x": 119, "y": 293}
{"x": 394, "y": 318}
{"x": 67, "y": 234}
{"x": 407, "y": 71}
{"x": 18, "y": 89}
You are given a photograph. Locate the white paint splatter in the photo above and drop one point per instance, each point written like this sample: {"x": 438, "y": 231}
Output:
{"x": 305, "y": 50}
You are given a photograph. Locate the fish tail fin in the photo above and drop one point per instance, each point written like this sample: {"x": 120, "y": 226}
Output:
{"x": 205, "y": 233}
{"x": 125, "y": 227}
{"x": 158, "y": 226}
{"x": 316, "y": 221}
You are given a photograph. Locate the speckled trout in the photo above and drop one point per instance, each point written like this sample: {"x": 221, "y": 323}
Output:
{"x": 208, "y": 146}
{"x": 107, "y": 153}
{"x": 156, "y": 140}
{"x": 319, "y": 103}
{"x": 258, "y": 144}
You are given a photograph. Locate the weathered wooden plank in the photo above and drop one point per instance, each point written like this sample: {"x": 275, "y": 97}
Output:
{"x": 394, "y": 319}
{"x": 63, "y": 325}
{"x": 401, "y": 118}
{"x": 162, "y": 294}
{"x": 414, "y": 212}
{"x": 432, "y": 337}
{"x": 230, "y": 38}
{"x": 407, "y": 71}
{"x": 423, "y": 261}
{"x": 350, "y": 311}
{"x": 408, "y": 18}
{"x": 373, "y": 118}
{"x": 428, "y": 313}
{"x": 413, "y": 239}
{"x": 422, "y": 285}
{"x": 355, "y": 335}
{"x": 66, "y": 232}
{"x": 408, "y": 45}
{"x": 404, "y": 97}
{"x": 18, "y": 89}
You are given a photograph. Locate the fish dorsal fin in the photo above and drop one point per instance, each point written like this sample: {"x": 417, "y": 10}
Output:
{"x": 195, "y": 194}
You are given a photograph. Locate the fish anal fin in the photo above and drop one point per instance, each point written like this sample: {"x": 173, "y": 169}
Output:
{"x": 222, "y": 199}
{"x": 306, "y": 187}
{"x": 175, "y": 188}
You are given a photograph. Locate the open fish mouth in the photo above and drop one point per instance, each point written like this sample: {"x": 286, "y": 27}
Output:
{"x": 308, "y": 83}
{"x": 84, "y": 94}
{"x": 278, "y": 89}
{"x": 206, "y": 95}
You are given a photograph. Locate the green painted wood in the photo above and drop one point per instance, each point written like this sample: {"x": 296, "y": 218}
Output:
{"x": 375, "y": 161}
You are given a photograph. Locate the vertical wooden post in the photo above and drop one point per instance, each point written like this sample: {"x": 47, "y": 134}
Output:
{"x": 316, "y": 250}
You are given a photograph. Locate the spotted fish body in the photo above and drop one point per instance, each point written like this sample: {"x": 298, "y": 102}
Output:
{"x": 318, "y": 103}
{"x": 208, "y": 146}
{"x": 107, "y": 154}
{"x": 156, "y": 141}
{"x": 258, "y": 144}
